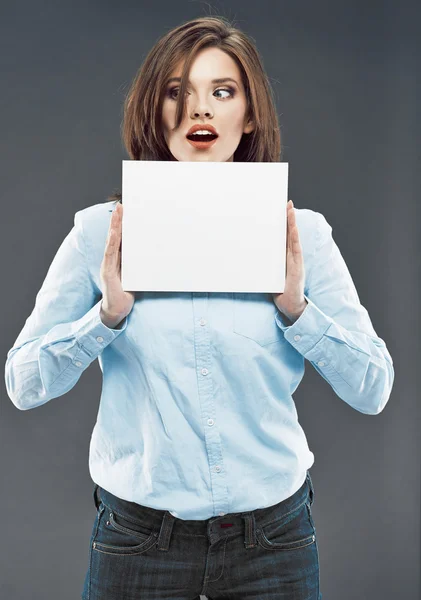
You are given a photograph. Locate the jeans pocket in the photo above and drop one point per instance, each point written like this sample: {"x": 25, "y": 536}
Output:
{"x": 254, "y": 318}
{"x": 289, "y": 532}
{"x": 118, "y": 534}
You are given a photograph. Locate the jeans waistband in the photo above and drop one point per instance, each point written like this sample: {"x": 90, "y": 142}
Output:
{"x": 214, "y": 527}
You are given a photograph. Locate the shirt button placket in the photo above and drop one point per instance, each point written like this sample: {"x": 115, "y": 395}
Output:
{"x": 207, "y": 404}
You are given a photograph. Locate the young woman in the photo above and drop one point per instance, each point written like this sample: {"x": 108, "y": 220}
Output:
{"x": 201, "y": 468}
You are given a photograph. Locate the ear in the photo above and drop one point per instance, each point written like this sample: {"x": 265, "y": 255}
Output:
{"x": 248, "y": 128}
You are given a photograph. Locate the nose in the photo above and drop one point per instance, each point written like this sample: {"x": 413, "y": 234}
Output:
{"x": 201, "y": 110}
{"x": 204, "y": 113}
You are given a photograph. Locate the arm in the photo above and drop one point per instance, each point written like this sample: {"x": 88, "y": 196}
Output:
{"x": 334, "y": 331}
{"x": 64, "y": 332}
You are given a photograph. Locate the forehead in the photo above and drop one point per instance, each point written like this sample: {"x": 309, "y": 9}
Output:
{"x": 210, "y": 63}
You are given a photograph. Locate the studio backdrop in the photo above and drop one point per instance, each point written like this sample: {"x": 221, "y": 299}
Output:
{"x": 345, "y": 78}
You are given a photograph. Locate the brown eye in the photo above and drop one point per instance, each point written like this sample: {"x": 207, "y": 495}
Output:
{"x": 170, "y": 92}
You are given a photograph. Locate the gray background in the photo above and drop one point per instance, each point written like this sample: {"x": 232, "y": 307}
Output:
{"x": 345, "y": 80}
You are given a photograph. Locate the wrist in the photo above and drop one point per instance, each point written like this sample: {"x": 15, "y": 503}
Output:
{"x": 111, "y": 321}
{"x": 294, "y": 315}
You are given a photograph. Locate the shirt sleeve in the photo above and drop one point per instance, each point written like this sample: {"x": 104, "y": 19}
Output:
{"x": 335, "y": 332}
{"x": 64, "y": 332}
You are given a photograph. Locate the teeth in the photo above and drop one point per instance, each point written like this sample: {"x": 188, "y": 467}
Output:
{"x": 202, "y": 132}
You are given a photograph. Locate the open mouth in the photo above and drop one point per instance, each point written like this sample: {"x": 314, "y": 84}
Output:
{"x": 202, "y": 137}
{"x": 203, "y": 140}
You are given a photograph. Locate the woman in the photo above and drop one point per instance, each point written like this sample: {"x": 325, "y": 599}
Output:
{"x": 201, "y": 469}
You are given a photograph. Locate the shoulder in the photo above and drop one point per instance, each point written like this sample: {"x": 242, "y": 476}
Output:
{"x": 94, "y": 213}
{"x": 93, "y": 223}
{"x": 306, "y": 217}
{"x": 312, "y": 228}
{"x": 311, "y": 219}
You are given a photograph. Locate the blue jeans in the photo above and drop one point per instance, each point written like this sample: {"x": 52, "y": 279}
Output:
{"x": 140, "y": 553}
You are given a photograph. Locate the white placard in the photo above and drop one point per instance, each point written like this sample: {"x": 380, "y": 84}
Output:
{"x": 204, "y": 226}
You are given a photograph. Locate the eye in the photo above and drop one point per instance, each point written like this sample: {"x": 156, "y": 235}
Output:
{"x": 230, "y": 90}
{"x": 170, "y": 92}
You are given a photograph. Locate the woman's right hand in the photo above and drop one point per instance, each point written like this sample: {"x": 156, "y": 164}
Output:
{"x": 116, "y": 303}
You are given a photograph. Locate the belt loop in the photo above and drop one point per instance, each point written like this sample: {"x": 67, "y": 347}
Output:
{"x": 250, "y": 540}
{"x": 164, "y": 536}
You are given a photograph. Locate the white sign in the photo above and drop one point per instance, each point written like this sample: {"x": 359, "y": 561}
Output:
{"x": 204, "y": 226}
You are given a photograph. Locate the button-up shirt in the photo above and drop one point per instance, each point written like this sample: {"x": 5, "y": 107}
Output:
{"x": 196, "y": 414}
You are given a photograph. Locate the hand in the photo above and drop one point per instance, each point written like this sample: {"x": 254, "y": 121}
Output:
{"x": 291, "y": 301}
{"x": 116, "y": 303}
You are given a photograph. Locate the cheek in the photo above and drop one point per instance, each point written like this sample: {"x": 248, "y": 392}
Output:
{"x": 234, "y": 120}
{"x": 168, "y": 116}
{"x": 234, "y": 126}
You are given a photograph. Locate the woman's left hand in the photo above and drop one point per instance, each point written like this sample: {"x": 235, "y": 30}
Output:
{"x": 291, "y": 301}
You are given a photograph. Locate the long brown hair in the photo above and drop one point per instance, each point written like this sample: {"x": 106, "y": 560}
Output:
{"x": 142, "y": 131}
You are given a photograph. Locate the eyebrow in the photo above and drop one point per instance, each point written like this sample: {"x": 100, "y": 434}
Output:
{"x": 218, "y": 80}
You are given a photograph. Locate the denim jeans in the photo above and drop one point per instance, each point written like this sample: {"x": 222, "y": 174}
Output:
{"x": 140, "y": 553}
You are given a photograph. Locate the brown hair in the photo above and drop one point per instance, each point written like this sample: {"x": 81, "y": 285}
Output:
{"x": 142, "y": 131}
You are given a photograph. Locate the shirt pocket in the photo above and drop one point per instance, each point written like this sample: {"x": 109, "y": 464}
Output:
{"x": 254, "y": 318}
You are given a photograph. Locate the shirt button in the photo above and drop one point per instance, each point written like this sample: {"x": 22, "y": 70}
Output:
{"x": 78, "y": 363}
{"x": 204, "y": 371}
{"x": 99, "y": 339}
{"x": 211, "y": 421}
{"x": 321, "y": 363}
{"x": 297, "y": 337}
{"x": 202, "y": 321}
{"x": 217, "y": 468}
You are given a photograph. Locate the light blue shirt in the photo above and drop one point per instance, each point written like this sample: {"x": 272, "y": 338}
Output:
{"x": 196, "y": 414}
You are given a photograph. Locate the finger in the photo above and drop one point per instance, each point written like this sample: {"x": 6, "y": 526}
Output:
{"x": 110, "y": 248}
{"x": 295, "y": 244}
{"x": 120, "y": 215}
{"x": 116, "y": 223}
{"x": 114, "y": 219}
{"x": 290, "y": 214}
{"x": 111, "y": 254}
{"x": 292, "y": 221}
{"x": 119, "y": 230}
{"x": 290, "y": 224}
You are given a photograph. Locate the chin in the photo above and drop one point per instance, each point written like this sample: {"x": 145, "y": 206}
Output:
{"x": 202, "y": 156}
{"x": 181, "y": 155}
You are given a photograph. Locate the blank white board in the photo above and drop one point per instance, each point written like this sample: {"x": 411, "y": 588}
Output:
{"x": 204, "y": 226}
